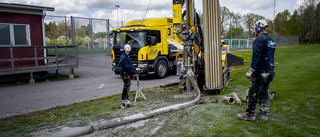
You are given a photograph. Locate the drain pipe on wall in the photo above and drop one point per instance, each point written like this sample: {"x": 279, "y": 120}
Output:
{"x": 136, "y": 117}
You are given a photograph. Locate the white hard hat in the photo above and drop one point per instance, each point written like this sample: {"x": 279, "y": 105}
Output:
{"x": 127, "y": 47}
{"x": 222, "y": 41}
{"x": 261, "y": 24}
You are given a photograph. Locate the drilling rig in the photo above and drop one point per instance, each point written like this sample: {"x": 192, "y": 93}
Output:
{"x": 201, "y": 49}
{"x": 177, "y": 44}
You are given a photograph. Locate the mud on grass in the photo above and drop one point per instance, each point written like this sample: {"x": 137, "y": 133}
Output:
{"x": 82, "y": 114}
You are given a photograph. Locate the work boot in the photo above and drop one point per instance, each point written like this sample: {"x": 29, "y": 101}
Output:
{"x": 261, "y": 117}
{"x": 246, "y": 117}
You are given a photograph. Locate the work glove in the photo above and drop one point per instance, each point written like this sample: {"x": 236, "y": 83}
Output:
{"x": 249, "y": 73}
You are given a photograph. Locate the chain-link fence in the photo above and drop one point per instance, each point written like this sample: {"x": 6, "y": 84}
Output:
{"x": 282, "y": 40}
{"x": 237, "y": 40}
{"x": 91, "y": 36}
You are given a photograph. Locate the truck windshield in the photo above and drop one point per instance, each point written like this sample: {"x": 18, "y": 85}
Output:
{"x": 134, "y": 39}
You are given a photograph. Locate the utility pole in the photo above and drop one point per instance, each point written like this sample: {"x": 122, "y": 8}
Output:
{"x": 274, "y": 16}
{"x": 118, "y": 6}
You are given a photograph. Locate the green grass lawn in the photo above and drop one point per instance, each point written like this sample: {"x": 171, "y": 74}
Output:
{"x": 295, "y": 111}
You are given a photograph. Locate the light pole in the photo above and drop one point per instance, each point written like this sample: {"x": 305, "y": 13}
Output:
{"x": 117, "y": 6}
{"x": 274, "y": 16}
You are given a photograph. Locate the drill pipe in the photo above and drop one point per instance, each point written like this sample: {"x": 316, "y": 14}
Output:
{"x": 125, "y": 104}
{"x": 212, "y": 48}
{"x": 236, "y": 98}
{"x": 229, "y": 100}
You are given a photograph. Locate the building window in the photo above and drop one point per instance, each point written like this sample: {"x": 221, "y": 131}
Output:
{"x": 14, "y": 35}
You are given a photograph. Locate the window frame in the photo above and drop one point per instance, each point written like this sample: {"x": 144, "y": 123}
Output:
{"x": 12, "y": 39}
{"x": 157, "y": 32}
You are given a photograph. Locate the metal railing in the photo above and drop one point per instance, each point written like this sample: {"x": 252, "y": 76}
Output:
{"x": 31, "y": 59}
{"x": 89, "y": 34}
{"x": 280, "y": 40}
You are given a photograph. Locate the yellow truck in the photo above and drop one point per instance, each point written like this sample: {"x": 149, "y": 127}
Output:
{"x": 150, "y": 49}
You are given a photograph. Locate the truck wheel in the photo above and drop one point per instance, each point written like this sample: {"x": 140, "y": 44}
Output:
{"x": 162, "y": 69}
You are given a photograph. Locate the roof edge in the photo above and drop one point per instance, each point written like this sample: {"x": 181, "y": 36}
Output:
{"x": 24, "y": 6}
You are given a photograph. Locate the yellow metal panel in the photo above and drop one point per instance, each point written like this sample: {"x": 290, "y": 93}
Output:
{"x": 142, "y": 52}
{"x": 153, "y": 51}
{"x": 112, "y": 55}
{"x": 176, "y": 11}
{"x": 149, "y": 22}
{"x": 163, "y": 45}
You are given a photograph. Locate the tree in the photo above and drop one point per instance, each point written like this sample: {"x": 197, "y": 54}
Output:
{"x": 281, "y": 21}
{"x": 270, "y": 24}
{"x": 225, "y": 15}
{"x": 82, "y": 31}
{"x": 293, "y": 25}
{"x": 61, "y": 29}
{"x": 48, "y": 41}
{"x": 236, "y": 32}
{"x": 52, "y": 30}
{"x": 318, "y": 23}
{"x": 236, "y": 20}
{"x": 249, "y": 19}
{"x": 308, "y": 20}
{"x": 100, "y": 35}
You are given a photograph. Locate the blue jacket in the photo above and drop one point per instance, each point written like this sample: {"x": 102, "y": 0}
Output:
{"x": 263, "y": 50}
{"x": 125, "y": 63}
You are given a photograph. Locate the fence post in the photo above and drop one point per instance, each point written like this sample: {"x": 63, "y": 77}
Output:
{"x": 66, "y": 30}
{"x": 72, "y": 34}
{"x": 56, "y": 52}
{"x": 108, "y": 38}
{"x": 91, "y": 36}
{"x": 231, "y": 38}
{"x": 36, "y": 57}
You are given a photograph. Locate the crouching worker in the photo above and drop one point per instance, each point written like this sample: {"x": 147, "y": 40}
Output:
{"x": 261, "y": 73}
{"x": 126, "y": 67}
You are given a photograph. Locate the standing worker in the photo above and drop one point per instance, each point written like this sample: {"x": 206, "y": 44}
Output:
{"x": 126, "y": 67}
{"x": 261, "y": 73}
{"x": 223, "y": 45}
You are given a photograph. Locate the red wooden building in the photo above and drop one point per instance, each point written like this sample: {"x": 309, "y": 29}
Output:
{"x": 21, "y": 26}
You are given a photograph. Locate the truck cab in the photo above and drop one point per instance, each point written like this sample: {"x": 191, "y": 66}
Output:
{"x": 150, "y": 50}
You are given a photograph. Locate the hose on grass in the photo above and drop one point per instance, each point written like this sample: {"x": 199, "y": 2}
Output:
{"x": 101, "y": 125}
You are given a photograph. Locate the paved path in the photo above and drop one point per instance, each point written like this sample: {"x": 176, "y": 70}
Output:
{"x": 96, "y": 80}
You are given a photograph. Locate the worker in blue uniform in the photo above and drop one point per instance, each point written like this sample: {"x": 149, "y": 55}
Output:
{"x": 126, "y": 67}
{"x": 261, "y": 73}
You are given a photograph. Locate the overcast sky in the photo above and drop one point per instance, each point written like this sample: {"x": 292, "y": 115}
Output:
{"x": 134, "y": 9}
